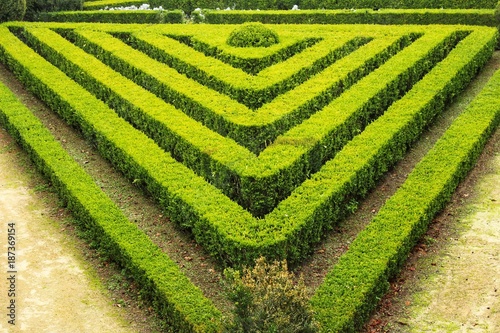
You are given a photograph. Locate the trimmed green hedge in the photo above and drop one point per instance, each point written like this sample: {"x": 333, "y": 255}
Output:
{"x": 244, "y": 165}
{"x": 260, "y": 183}
{"x": 357, "y": 282}
{"x": 253, "y": 35}
{"x": 343, "y": 4}
{"x": 115, "y": 16}
{"x": 311, "y": 56}
{"x": 189, "y": 5}
{"x": 363, "y": 16}
{"x": 221, "y": 226}
{"x": 175, "y": 298}
{"x": 99, "y": 4}
{"x": 251, "y": 65}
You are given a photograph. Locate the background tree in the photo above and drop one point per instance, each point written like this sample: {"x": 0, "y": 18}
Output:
{"x": 12, "y": 10}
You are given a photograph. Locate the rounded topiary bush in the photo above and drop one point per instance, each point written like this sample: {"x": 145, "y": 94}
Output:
{"x": 253, "y": 35}
{"x": 12, "y": 10}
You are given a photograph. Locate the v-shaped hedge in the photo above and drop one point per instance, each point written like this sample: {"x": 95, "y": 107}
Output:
{"x": 254, "y": 162}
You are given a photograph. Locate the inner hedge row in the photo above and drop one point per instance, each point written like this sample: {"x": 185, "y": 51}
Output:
{"x": 221, "y": 113}
{"x": 352, "y": 290}
{"x": 219, "y": 224}
{"x": 260, "y": 183}
{"x": 249, "y": 64}
{"x": 175, "y": 298}
{"x": 253, "y": 92}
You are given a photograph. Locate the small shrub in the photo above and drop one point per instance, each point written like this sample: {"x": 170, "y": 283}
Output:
{"x": 267, "y": 300}
{"x": 12, "y": 10}
{"x": 253, "y": 35}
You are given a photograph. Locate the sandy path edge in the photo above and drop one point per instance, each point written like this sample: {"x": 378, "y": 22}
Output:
{"x": 54, "y": 290}
{"x": 459, "y": 288}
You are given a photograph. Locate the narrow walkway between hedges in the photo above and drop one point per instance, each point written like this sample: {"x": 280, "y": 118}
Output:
{"x": 55, "y": 291}
{"x": 460, "y": 290}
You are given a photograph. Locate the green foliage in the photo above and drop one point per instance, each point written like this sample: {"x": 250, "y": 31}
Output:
{"x": 12, "y": 10}
{"x": 325, "y": 159}
{"x": 268, "y": 300}
{"x": 104, "y": 16}
{"x": 35, "y": 7}
{"x": 189, "y": 6}
{"x": 364, "y": 16}
{"x": 226, "y": 230}
{"x": 176, "y": 299}
{"x": 253, "y": 35}
{"x": 349, "y": 294}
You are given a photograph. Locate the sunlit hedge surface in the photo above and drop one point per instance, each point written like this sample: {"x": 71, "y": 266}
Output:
{"x": 260, "y": 151}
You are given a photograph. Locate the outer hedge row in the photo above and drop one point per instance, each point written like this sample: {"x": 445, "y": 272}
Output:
{"x": 364, "y": 16}
{"x": 189, "y": 5}
{"x": 353, "y": 288}
{"x": 99, "y": 4}
{"x": 260, "y": 183}
{"x": 221, "y": 226}
{"x": 115, "y": 16}
{"x": 338, "y": 4}
{"x": 175, "y": 298}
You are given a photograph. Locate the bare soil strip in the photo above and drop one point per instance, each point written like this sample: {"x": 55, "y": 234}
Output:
{"x": 54, "y": 287}
{"x": 451, "y": 282}
{"x": 462, "y": 293}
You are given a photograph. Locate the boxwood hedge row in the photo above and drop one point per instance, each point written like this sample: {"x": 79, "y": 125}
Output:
{"x": 227, "y": 231}
{"x": 100, "y": 4}
{"x": 353, "y": 288}
{"x": 227, "y": 167}
{"x": 115, "y": 16}
{"x": 175, "y": 298}
{"x": 314, "y": 55}
{"x": 365, "y": 16}
{"x": 250, "y": 65}
{"x": 334, "y": 4}
{"x": 260, "y": 183}
{"x": 189, "y": 5}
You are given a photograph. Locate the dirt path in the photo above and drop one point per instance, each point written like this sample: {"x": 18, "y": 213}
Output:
{"x": 54, "y": 287}
{"x": 458, "y": 289}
